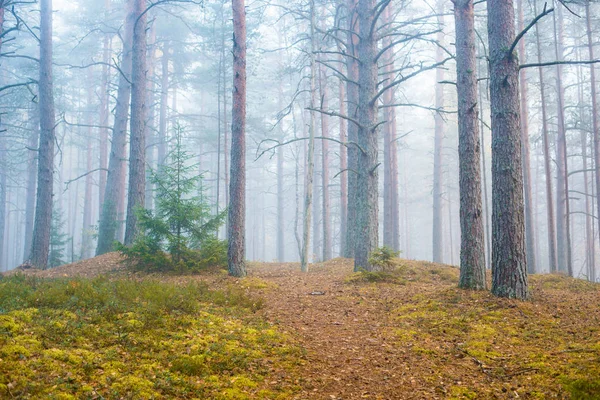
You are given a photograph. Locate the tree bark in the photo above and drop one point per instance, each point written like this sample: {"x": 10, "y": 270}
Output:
{"x": 509, "y": 262}
{"x": 164, "y": 103}
{"x": 149, "y": 128}
{"x": 44, "y": 198}
{"x": 562, "y": 184}
{"x": 367, "y": 197}
{"x": 280, "y": 184}
{"x": 353, "y": 30}
{"x": 237, "y": 186}
{"x": 86, "y": 229}
{"x": 343, "y": 169}
{"x": 310, "y": 157}
{"x": 472, "y": 248}
{"x": 110, "y": 217}
{"x": 553, "y": 262}
{"x": 529, "y": 213}
{"x": 31, "y": 183}
{"x": 104, "y": 112}
{"x": 438, "y": 147}
{"x": 137, "y": 140}
{"x": 327, "y": 253}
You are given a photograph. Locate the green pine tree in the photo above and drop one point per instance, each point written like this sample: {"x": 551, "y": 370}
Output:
{"x": 58, "y": 239}
{"x": 180, "y": 233}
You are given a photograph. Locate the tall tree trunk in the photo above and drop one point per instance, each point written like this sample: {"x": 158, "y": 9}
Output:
{"x": 86, "y": 228}
{"x": 343, "y": 169}
{"x": 553, "y": 262}
{"x": 164, "y": 103}
{"x": 280, "y": 179}
{"x": 316, "y": 204}
{"x": 31, "y": 183}
{"x": 529, "y": 214}
{"x": 137, "y": 140}
{"x": 367, "y": 197}
{"x": 438, "y": 148}
{"x": 389, "y": 206}
{"x": 104, "y": 111}
{"x": 488, "y": 236}
{"x": 3, "y": 202}
{"x": 509, "y": 262}
{"x": 394, "y": 197}
{"x": 111, "y": 216}
{"x": 43, "y": 214}
{"x": 472, "y": 247}
{"x": 562, "y": 184}
{"x": 326, "y": 214}
{"x": 352, "y": 30}
{"x": 595, "y": 118}
{"x": 237, "y": 186}
{"x": 150, "y": 130}
{"x": 310, "y": 157}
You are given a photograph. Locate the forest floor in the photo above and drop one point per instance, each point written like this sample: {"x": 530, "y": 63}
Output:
{"x": 407, "y": 334}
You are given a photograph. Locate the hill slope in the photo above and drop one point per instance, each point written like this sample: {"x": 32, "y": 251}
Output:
{"x": 413, "y": 334}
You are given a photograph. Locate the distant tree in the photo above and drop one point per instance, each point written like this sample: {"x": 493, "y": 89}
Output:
{"x": 509, "y": 262}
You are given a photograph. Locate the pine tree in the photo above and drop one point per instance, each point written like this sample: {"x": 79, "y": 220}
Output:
{"x": 58, "y": 239}
{"x": 180, "y": 233}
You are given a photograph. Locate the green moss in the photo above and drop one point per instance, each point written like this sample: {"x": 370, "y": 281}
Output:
{"x": 137, "y": 340}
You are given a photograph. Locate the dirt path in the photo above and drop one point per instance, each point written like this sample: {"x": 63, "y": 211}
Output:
{"x": 352, "y": 352}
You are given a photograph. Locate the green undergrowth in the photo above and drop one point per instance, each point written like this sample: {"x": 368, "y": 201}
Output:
{"x": 485, "y": 347}
{"x": 100, "y": 338}
{"x": 402, "y": 272}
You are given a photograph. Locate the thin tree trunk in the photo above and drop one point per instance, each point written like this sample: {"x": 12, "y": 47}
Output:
{"x": 31, "y": 183}
{"x": 472, "y": 247}
{"x": 149, "y": 128}
{"x": 137, "y": 140}
{"x": 164, "y": 103}
{"x": 104, "y": 111}
{"x": 326, "y": 213}
{"x": 111, "y": 215}
{"x": 595, "y": 120}
{"x": 352, "y": 30}
{"x": 509, "y": 262}
{"x": 86, "y": 229}
{"x": 280, "y": 179}
{"x": 486, "y": 201}
{"x": 237, "y": 186}
{"x": 438, "y": 146}
{"x": 343, "y": 169}
{"x": 553, "y": 262}
{"x": 43, "y": 214}
{"x": 529, "y": 214}
{"x": 562, "y": 185}
{"x": 389, "y": 233}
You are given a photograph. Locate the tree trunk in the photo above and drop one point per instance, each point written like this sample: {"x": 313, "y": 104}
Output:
{"x": 509, "y": 262}
{"x": 310, "y": 158}
{"x": 31, "y": 183}
{"x": 367, "y": 197}
{"x": 472, "y": 248}
{"x": 326, "y": 214}
{"x": 86, "y": 229}
{"x": 3, "y": 202}
{"x": 44, "y": 198}
{"x": 553, "y": 262}
{"x": 164, "y": 103}
{"x": 237, "y": 186}
{"x": 352, "y": 30}
{"x": 149, "y": 129}
{"x": 595, "y": 121}
{"x": 438, "y": 148}
{"x": 343, "y": 168}
{"x": 529, "y": 214}
{"x": 104, "y": 111}
{"x": 562, "y": 184}
{"x": 111, "y": 217}
{"x": 280, "y": 179}
{"x": 137, "y": 140}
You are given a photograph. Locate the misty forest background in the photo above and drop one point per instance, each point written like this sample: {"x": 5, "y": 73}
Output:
{"x": 188, "y": 87}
